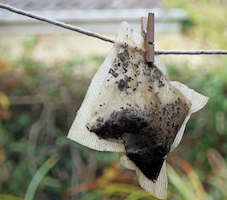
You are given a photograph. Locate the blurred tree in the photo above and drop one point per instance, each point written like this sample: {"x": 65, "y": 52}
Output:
{"x": 207, "y": 21}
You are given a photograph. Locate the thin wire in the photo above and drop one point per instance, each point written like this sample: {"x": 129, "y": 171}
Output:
{"x": 57, "y": 23}
{"x": 97, "y": 35}
{"x": 190, "y": 52}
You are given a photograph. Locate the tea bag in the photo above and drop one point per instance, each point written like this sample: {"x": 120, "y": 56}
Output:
{"x": 131, "y": 107}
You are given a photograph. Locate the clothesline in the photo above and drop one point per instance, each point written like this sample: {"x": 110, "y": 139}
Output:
{"x": 54, "y": 22}
{"x": 97, "y": 35}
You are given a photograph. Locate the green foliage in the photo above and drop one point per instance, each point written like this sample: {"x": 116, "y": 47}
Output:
{"x": 39, "y": 176}
{"x": 207, "y": 21}
{"x": 8, "y": 197}
{"x": 29, "y": 42}
{"x": 44, "y": 100}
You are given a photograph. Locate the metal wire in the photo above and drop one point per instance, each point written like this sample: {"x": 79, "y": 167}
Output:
{"x": 107, "y": 39}
{"x": 57, "y": 23}
{"x": 190, "y": 52}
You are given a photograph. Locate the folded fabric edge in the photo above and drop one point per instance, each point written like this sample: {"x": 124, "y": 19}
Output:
{"x": 158, "y": 189}
{"x": 198, "y": 102}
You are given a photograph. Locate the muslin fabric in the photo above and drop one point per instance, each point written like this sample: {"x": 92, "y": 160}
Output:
{"x": 115, "y": 87}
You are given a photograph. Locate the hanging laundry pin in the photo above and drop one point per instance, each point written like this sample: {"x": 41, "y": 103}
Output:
{"x": 147, "y": 31}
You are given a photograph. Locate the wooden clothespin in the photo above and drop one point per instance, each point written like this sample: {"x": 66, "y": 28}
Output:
{"x": 147, "y": 31}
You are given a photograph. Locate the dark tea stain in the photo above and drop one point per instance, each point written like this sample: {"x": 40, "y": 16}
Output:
{"x": 146, "y": 134}
{"x": 147, "y": 131}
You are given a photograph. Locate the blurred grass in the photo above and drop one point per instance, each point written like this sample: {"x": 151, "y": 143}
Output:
{"x": 38, "y": 103}
{"x": 9, "y": 197}
{"x": 45, "y": 167}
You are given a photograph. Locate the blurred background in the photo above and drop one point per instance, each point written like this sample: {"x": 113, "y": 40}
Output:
{"x": 46, "y": 70}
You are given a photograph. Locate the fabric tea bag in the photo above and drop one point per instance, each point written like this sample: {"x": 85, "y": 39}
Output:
{"x": 131, "y": 107}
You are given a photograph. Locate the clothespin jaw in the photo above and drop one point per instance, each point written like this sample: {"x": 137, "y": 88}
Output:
{"x": 147, "y": 30}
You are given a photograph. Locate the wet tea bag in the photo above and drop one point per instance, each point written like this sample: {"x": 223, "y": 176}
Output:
{"x": 131, "y": 107}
